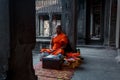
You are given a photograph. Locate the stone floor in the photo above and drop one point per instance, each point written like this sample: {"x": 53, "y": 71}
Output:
{"x": 99, "y": 64}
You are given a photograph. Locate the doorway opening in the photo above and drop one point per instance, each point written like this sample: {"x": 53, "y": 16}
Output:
{"x": 95, "y": 28}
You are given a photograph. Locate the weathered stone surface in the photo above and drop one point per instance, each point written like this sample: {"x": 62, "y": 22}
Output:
{"x": 22, "y": 40}
{"x": 69, "y": 22}
{"x": 118, "y": 32}
{"x": 118, "y": 56}
{"x": 4, "y": 37}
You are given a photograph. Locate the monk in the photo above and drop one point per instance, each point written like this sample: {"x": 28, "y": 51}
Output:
{"x": 58, "y": 42}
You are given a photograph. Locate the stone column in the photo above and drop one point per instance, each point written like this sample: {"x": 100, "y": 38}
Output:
{"x": 37, "y": 25}
{"x": 113, "y": 23}
{"x": 118, "y": 25}
{"x": 107, "y": 21}
{"x": 54, "y": 24}
{"x": 50, "y": 22}
{"x": 74, "y": 26}
{"x": 118, "y": 31}
{"x": 91, "y": 18}
{"x": 41, "y": 26}
{"x": 4, "y": 38}
{"x": 64, "y": 12}
{"x": 81, "y": 22}
{"x": 22, "y": 40}
{"x": 70, "y": 21}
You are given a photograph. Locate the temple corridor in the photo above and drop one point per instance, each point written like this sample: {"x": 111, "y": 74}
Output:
{"x": 85, "y": 23}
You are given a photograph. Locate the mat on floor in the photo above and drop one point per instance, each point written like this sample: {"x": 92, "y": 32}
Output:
{"x": 51, "y": 74}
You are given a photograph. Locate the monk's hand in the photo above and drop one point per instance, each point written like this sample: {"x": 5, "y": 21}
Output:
{"x": 51, "y": 49}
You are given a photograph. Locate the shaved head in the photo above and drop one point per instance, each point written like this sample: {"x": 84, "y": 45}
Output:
{"x": 58, "y": 29}
{"x": 59, "y": 26}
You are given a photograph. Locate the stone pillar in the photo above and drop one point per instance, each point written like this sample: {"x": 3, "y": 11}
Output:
{"x": 64, "y": 13}
{"x": 102, "y": 21}
{"x": 118, "y": 25}
{"x": 50, "y": 21}
{"x": 81, "y": 22}
{"x": 91, "y": 18}
{"x": 41, "y": 26}
{"x": 107, "y": 18}
{"x": 118, "y": 31}
{"x": 37, "y": 25}
{"x": 4, "y": 38}
{"x": 74, "y": 26}
{"x": 113, "y": 23}
{"x": 22, "y": 40}
{"x": 69, "y": 21}
{"x": 54, "y": 24}
{"x": 87, "y": 28}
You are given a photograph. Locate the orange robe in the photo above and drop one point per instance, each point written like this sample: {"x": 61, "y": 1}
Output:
{"x": 57, "y": 42}
{"x": 73, "y": 55}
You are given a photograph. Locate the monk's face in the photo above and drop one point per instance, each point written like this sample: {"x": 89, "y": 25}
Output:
{"x": 58, "y": 30}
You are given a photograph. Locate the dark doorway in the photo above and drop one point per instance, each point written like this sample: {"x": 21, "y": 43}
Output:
{"x": 94, "y": 22}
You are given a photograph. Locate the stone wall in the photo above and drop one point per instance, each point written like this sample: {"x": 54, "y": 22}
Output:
{"x": 69, "y": 20}
{"x": 81, "y": 23}
{"x": 4, "y": 38}
{"x": 22, "y": 40}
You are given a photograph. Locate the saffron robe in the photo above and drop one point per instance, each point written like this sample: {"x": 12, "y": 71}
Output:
{"x": 58, "y": 41}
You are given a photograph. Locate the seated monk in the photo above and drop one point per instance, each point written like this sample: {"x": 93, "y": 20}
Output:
{"x": 58, "y": 43}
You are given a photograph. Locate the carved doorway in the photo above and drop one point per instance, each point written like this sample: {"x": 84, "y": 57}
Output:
{"x": 95, "y": 21}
